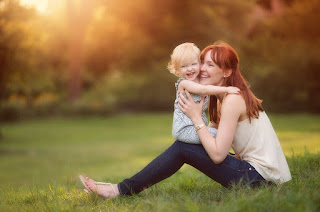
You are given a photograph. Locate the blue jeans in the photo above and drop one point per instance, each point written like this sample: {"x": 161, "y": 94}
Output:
{"x": 231, "y": 170}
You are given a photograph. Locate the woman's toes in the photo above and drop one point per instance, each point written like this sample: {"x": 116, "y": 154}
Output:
{"x": 91, "y": 184}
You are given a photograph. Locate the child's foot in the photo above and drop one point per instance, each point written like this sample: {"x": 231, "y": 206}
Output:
{"x": 105, "y": 190}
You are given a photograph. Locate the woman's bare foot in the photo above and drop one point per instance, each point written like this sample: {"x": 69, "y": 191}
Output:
{"x": 103, "y": 189}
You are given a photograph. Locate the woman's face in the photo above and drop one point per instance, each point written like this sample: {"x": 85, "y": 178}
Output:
{"x": 210, "y": 73}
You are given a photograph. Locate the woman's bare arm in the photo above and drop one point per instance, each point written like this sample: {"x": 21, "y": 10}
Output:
{"x": 231, "y": 109}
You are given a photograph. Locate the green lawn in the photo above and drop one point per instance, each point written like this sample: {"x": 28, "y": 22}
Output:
{"x": 41, "y": 159}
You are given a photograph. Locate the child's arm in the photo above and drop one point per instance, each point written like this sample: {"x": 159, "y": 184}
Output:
{"x": 197, "y": 88}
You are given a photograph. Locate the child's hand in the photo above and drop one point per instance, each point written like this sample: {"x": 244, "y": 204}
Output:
{"x": 233, "y": 90}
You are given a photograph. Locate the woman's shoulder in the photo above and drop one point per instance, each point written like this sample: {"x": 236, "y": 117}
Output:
{"x": 233, "y": 98}
{"x": 234, "y": 102}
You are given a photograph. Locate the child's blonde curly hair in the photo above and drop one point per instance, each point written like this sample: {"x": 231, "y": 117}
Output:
{"x": 183, "y": 53}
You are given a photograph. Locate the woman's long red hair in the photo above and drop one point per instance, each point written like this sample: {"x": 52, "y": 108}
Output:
{"x": 227, "y": 58}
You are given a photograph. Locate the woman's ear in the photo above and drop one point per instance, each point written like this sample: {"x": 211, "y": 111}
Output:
{"x": 227, "y": 73}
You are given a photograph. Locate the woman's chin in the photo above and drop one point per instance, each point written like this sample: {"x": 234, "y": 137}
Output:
{"x": 210, "y": 81}
{"x": 204, "y": 81}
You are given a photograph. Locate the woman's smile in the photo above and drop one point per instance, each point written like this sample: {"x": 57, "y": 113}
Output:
{"x": 204, "y": 74}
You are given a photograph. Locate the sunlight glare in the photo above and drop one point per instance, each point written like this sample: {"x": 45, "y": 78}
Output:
{"x": 40, "y": 5}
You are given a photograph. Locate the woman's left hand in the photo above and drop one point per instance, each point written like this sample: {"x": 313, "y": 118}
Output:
{"x": 189, "y": 107}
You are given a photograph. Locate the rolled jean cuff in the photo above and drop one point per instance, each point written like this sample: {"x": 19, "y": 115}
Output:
{"x": 123, "y": 189}
{"x": 126, "y": 190}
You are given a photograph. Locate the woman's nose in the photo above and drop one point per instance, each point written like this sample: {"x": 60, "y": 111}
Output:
{"x": 202, "y": 67}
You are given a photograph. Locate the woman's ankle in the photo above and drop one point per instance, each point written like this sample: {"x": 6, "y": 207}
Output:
{"x": 116, "y": 189}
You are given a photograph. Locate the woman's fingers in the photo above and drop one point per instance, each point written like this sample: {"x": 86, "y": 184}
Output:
{"x": 181, "y": 103}
{"x": 202, "y": 101}
{"x": 188, "y": 99}
{"x": 188, "y": 94}
{"x": 181, "y": 107}
{"x": 182, "y": 99}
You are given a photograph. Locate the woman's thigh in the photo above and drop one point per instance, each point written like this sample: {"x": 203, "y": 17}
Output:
{"x": 231, "y": 170}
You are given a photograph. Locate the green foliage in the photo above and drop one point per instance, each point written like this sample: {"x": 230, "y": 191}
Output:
{"x": 112, "y": 91}
{"x": 41, "y": 159}
{"x": 278, "y": 53}
{"x": 286, "y": 49}
{"x": 26, "y": 68}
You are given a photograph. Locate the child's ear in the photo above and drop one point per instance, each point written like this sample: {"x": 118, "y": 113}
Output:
{"x": 227, "y": 73}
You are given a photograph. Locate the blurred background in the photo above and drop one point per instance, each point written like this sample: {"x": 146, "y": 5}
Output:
{"x": 75, "y": 57}
{"x": 84, "y": 86}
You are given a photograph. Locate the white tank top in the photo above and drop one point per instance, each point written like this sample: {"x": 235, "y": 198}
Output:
{"x": 258, "y": 144}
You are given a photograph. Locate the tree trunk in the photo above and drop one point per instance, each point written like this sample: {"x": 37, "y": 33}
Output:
{"x": 79, "y": 14}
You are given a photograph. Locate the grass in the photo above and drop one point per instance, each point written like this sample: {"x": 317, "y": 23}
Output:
{"x": 41, "y": 159}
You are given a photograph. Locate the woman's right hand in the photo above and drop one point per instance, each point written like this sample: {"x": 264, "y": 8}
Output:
{"x": 235, "y": 156}
{"x": 189, "y": 107}
{"x": 233, "y": 90}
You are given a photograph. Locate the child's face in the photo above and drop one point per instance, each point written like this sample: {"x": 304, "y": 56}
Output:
{"x": 190, "y": 70}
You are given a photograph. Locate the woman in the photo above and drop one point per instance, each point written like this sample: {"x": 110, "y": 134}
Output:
{"x": 242, "y": 124}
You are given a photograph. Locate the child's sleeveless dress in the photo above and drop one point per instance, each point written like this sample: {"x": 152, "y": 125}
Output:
{"x": 182, "y": 127}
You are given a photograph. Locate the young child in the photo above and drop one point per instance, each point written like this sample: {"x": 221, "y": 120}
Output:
{"x": 185, "y": 64}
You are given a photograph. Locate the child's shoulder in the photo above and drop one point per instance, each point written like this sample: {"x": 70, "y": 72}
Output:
{"x": 184, "y": 83}
{"x": 179, "y": 81}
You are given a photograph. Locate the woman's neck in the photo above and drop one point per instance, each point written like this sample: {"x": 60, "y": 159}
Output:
{"x": 221, "y": 96}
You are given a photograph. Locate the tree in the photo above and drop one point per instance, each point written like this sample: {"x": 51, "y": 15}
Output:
{"x": 79, "y": 15}
{"x": 286, "y": 47}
